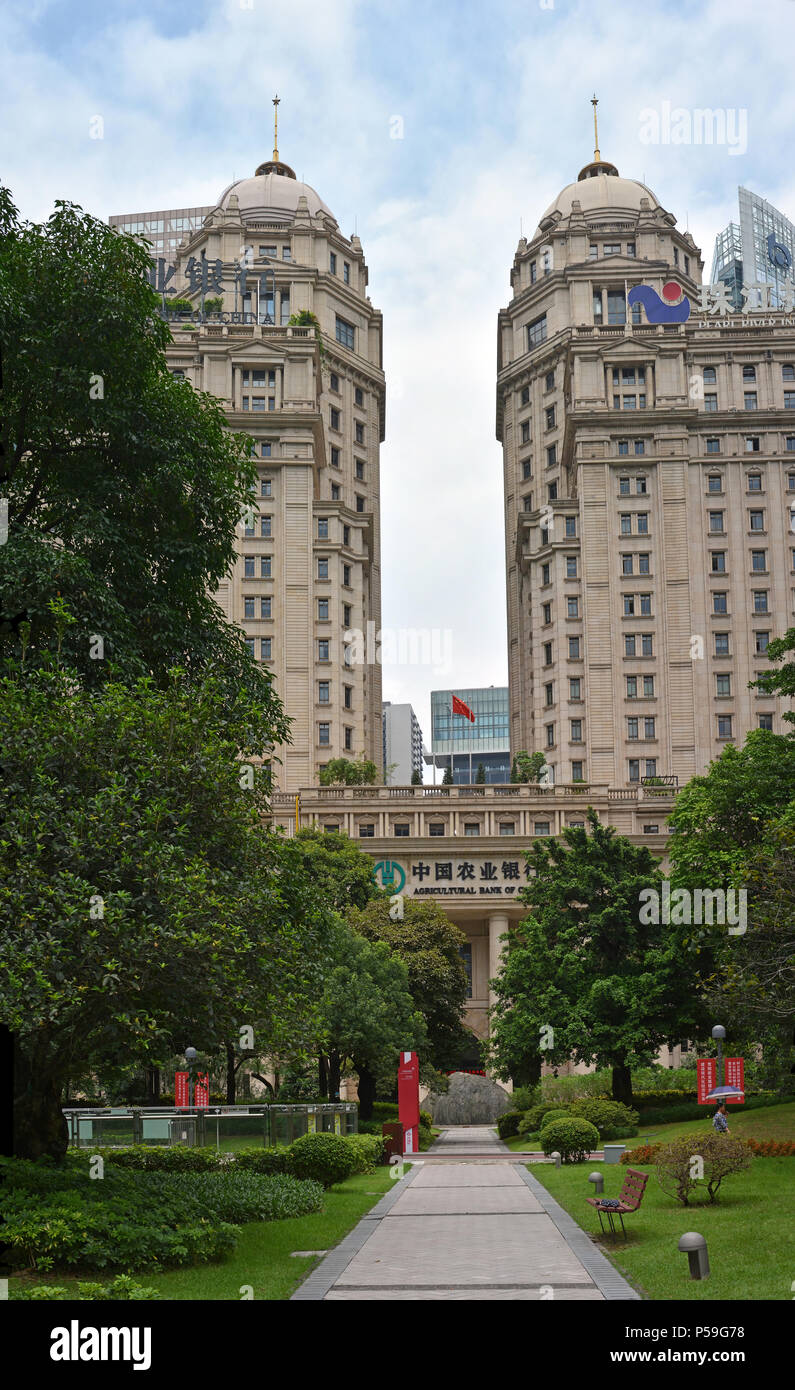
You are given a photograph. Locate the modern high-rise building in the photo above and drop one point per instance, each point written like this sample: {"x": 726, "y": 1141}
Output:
{"x": 649, "y": 472}
{"x": 164, "y": 230}
{"x": 467, "y": 744}
{"x": 308, "y": 564}
{"x": 757, "y": 250}
{"x": 402, "y": 744}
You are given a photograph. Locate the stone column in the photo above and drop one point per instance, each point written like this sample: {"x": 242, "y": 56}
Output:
{"x": 498, "y": 925}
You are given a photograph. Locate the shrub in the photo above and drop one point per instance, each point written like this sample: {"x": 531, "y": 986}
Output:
{"x": 772, "y": 1148}
{"x": 267, "y": 1161}
{"x": 720, "y": 1154}
{"x": 539, "y": 1112}
{"x": 238, "y": 1197}
{"x": 426, "y": 1119}
{"x": 157, "y": 1158}
{"x": 525, "y": 1097}
{"x": 644, "y": 1153}
{"x": 508, "y": 1123}
{"x": 385, "y": 1110}
{"x": 368, "y": 1150}
{"x": 325, "y": 1158}
{"x": 122, "y": 1287}
{"x": 574, "y": 1139}
{"x": 612, "y": 1119}
{"x": 109, "y": 1235}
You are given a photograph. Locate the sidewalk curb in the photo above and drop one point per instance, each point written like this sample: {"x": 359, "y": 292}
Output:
{"x": 605, "y": 1276}
{"x": 325, "y": 1275}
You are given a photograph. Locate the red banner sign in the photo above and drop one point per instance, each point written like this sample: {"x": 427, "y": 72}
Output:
{"x": 735, "y": 1076}
{"x": 181, "y": 1088}
{"x": 201, "y": 1091}
{"x": 409, "y": 1100}
{"x": 706, "y": 1078}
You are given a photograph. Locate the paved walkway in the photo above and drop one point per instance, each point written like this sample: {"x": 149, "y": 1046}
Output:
{"x": 470, "y": 1227}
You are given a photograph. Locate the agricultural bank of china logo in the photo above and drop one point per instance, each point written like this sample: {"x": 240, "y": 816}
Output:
{"x": 388, "y": 874}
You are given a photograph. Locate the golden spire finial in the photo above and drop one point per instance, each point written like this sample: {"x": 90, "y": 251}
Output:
{"x": 276, "y": 128}
{"x": 596, "y": 154}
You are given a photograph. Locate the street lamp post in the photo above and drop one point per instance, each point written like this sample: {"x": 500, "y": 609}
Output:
{"x": 719, "y": 1033}
{"x": 190, "y": 1058}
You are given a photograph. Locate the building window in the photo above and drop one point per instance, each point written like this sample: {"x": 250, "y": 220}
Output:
{"x": 332, "y": 262}
{"x": 623, "y": 448}
{"x": 574, "y": 649}
{"x": 749, "y": 400}
{"x": 616, "y": 308}
{"x": 345, "y": 332}
{"x": 549, "y": 416}
{"x": 756, "y": 521}
{"x": 765, "y": 721}
{"x": 545, "y": 571}
{"x": 721, "y": 644}
{"x": 749, "y": 373}
{"x": 549, "y": 381}
{"x": 401, "y": 829}
{"x": 527, "y": 472}
{"x": 552, "y": 455}
{"x": 507, "y": 827}
{"x": 761, "y": 642}
{"x": 754, "y": 482}
{"x": 266, "y": 565}
{"x": 366, "y": 832}
{"x": 322, "y": 528}
{"x": 536, "y": 332}
{"x": 634, "y": 769}
{"x": 574, "y": 688}
{"x": 576, "y": 730}
{"x": 533, "y": 272}
{"x": 334, "y": 382}
{"x": 713, "y": 447}
{"x": 324, "y": 734}
{"x": 347, "y": 697}
{"x": 359, "y": 432}
{"x": 266, "y": 648}
{"x": 322, "y": 567}
{"x": 752, "y": 444}
{"x": 760, "y": 601}
{"x": 724, "y": 726}
{"x": 525, "y": 396}
{"x": 723, "y": 684}
{"x": 359, "y": 469}
{"x": 348, "y": 739}
{"x": 323, "y": 649}
{"x": 248, "y": 607}
{"x": 358, "y": 396}
{"x": 334, "y": 415}
{"x": 710, "y": 401}
{"x": 759, "y": 561}
{"x": 719, "y": 602}
{"x": 436, "y": 828}
{"x": 547, "y": 653}
{"x": 627, "y": 562}
{"x": 322, "y": 609}
{"x": 335, "y": 492}
{"x": 266, "y": 608}
{"x": 593, "y": 251}
{"x": 552, "y": 492}
{"x": 623, "y": 487}
{"x": 548, "y": 693}
{"x": 646, "y": 644}
{"x": 546, "y": 612}
{"x": 649, "y": 727}
{"x": 716, "y": 522}
{"x": 346, "y": 576}
{"x": 541, "y": 827}
{"x": 632, "y": 728}
{"x": 525, "y": 431}
{"x": 597, "y": 306}
{"x": 471, "y": 828}
{"x": 571, "y": 527}
{"x": 346, "y": 273}
{"x": 323, "y": 688}
{"x": 714, "y": 482}
{"x": 571, "y": 566}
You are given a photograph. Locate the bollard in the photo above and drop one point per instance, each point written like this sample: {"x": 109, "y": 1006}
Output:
{"x": 696, "y": 1248}
{"x": 555, "y": 1158}
{"x": 598, "y": 1181}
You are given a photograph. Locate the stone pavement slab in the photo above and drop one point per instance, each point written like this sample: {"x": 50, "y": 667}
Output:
{"x": 469, "y": 1175}
{"x": 465, "y": 1200}
{"x": 477, "y": 1295}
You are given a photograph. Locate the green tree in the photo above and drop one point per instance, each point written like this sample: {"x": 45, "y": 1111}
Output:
{"x": 143, "y": 906}
{"x": 368, "y": 1013}
{"x": 480, "y": 775}
{"x": 124, "y": 486}
{"x": 341, "y": 871}
{"x": 583, "y": 964}
{"x": 429, "y": 945}
{"x": 447, "y": 780}
{"x": 527, "y": 767}
{"x": 346, "y": 772}
{"x": 781, "y": 681}
{"x": 416, "y": 778}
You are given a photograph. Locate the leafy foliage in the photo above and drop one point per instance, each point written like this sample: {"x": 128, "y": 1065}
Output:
{"x": 323, "y": 1158}
{"x": 721, "y": 1155}
{"x": 612, "y": 1119}
{"x": 572, "y": 1139}
{"x": 346, "y": 772}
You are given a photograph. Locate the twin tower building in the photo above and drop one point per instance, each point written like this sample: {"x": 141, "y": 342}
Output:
{"x": 648, "y": 436}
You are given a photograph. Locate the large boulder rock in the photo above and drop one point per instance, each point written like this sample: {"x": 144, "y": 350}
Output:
{"x": 471, "y": 1100}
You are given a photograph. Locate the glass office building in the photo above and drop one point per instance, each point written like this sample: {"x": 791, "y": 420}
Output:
{"x": 165, "y": 230}
{"x": 743, "y": 253}
{"x": 468, "y": 745}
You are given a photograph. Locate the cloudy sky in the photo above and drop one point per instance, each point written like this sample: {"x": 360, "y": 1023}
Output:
{"x": 494, "y": 111}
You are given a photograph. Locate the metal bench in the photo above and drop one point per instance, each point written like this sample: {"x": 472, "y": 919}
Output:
{"x": 629, "y": 1198}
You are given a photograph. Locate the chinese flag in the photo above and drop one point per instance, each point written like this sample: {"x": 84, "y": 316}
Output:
{"x": 460, "y": 708}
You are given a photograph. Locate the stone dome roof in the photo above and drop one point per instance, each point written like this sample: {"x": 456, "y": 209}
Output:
{"x": 600, "y": 186}
{"x": 273, "y": 193}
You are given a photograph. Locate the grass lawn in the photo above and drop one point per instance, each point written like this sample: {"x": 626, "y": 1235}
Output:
{"x": 748, "y": 1230}
{"x": 262, "y": 1257}
{"x": 769, "y": 1122}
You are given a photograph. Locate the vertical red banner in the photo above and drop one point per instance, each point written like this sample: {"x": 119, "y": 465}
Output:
{"x": 181, "y": 1089}
{"x": 735, "y": 1076}
{"x": 201, "y": 1091}
{"x": 409, "y": 1100}
{"x": 706, "y": 1078}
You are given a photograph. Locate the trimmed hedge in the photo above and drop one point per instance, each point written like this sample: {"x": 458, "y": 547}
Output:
{"x": 612, "y": 1119}
{"x": 644, "y": 1153}
{"x": 325, "y": 1158}
{"x": 508, "y": 1123}
{"x": 368, "y": 1150}
{"x": 574, "y": 1139}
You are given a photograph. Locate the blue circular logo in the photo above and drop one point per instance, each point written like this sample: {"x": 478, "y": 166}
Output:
{"x": 389, "y": 875}
{"x": 778, "y": 254}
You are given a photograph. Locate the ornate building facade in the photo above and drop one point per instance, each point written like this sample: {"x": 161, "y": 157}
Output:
{"x": 308, "y": 566}
{"x": 649, "y": 475}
